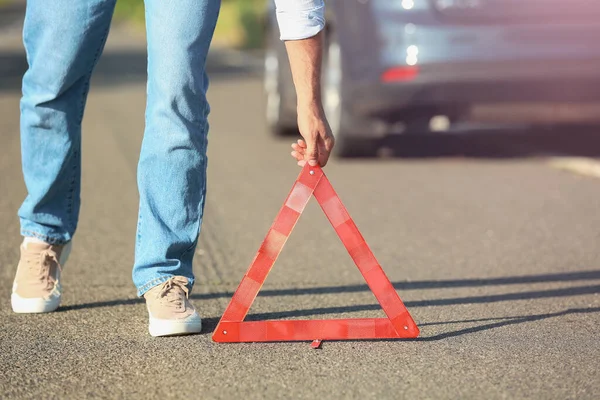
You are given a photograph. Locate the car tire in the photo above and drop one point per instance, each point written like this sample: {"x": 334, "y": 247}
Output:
{"x": 277, "y": 119}
{"x": 349, "y": 131}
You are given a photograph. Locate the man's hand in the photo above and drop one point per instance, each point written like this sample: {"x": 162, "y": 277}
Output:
{"x": 305, "y": 60}
{"x": 318, "y": 140}
{"x": 301, "y": 23}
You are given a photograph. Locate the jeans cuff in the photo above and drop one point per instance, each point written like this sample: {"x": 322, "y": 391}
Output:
{"x": 48, "y": 239}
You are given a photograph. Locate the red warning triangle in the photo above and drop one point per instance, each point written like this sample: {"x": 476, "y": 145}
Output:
{"x": 398, "y": 324}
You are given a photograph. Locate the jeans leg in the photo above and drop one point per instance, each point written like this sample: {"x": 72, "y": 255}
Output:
{"x": 63, "y": 40}
{"x": 172, "y": 166}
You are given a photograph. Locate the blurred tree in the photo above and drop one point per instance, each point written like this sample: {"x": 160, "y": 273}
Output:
{"x": 252, "y": 21}
{"x": 240, "y": 24}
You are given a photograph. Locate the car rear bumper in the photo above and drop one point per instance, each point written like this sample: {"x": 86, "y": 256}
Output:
{"x": 447, "y": 85}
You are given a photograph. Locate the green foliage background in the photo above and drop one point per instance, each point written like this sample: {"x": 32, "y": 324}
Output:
{"x": 240, "y": 23}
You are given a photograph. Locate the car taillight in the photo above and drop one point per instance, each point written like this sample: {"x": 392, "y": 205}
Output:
{"x": 400, "y": 74}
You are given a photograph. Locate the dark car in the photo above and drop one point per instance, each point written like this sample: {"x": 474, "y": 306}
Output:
{"x": 392, "y": 65}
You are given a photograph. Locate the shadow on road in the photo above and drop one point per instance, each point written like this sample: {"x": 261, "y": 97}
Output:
{"x": 504, "y": 321}
{"x": 493, "y": 142}
{"x": 210, "y": 324}
{"x": 119, "y": 67}
{"x": 581, "y": 140}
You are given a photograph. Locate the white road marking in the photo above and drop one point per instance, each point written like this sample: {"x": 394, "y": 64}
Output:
{"x": 577, "y": 165}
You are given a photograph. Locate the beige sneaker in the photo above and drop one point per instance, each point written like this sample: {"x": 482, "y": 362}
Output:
{"x": 170, "y": 310}
{"x": 36, "y": 288}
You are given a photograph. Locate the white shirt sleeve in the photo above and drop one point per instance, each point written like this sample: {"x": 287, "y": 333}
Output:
{"x": 300, "y": 19}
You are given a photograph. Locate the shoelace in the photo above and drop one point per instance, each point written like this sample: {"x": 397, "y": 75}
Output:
{"x": 40, "y": 265}
{"x": 169, "y": 292}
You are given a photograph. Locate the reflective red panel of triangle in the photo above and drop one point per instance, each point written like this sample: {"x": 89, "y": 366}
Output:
{"x": 232, "y": 327}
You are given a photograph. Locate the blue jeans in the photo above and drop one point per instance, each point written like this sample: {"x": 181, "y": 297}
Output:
{"x": 63, "y": 40}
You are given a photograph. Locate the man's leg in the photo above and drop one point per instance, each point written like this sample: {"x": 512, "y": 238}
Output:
{"x": 63, "y": 40}
{"x": 172, "y": 166}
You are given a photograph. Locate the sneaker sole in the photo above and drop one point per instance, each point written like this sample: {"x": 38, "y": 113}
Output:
{"x": 22, "y": 305}
{"x": 158, "y": 327}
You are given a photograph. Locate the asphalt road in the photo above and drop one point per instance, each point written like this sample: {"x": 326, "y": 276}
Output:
{"x": 494, "y": 252}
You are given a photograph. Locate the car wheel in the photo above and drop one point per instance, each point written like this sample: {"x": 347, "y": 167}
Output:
{"x": 276, "y": 120}
{"x": 348, "y": 140}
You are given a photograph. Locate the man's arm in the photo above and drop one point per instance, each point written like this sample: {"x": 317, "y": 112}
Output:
{"x": 301, "y": 23}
